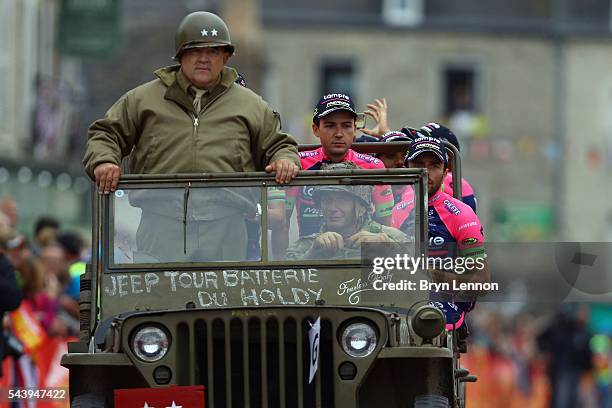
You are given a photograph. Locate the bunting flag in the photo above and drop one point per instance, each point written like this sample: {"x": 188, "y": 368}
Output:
{"x": 27, "y": 328}
{"x": 52, "y": 374}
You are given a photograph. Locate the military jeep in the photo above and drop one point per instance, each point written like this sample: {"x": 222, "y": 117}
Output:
{"x": 186, "y": 287}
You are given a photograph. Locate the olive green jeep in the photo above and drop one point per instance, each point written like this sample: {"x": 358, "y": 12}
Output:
{"x": 208, "y": 279}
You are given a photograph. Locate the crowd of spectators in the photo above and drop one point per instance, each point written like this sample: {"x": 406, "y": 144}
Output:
{"x": 538, "y": 357}
{"x": 46, "y": 271}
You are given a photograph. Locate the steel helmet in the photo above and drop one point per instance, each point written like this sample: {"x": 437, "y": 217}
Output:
{"x": 362, "y": 193}
{"x": 201, "y": 29}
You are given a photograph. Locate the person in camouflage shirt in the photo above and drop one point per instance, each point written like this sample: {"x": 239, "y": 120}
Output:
{"x": 347, "y": 224}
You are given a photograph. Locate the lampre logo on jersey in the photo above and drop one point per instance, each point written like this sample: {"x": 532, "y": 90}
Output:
{"x": 467, "y": 225}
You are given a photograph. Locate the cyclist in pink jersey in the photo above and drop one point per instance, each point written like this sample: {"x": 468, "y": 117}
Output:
{"x": 334, "y": 124}
{"x": 444, "y": 133}
{"x": 454, "y": 229}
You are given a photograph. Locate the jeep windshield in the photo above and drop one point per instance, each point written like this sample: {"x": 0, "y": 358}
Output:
{"x": 229, "y": 240}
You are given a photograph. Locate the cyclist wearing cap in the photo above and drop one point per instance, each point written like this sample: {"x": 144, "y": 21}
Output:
{"x": 347, "y": 223}
{"x": 442, "y": 132}
{"x": 402, "y": 215}
{"x": 454, "y": 229}
{"x": 394, "y": 160}
{"x": 403, "y": 196}
{"x": 334, "y": 124}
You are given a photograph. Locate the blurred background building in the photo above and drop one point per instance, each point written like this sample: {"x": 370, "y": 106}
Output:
{"x": 526, "y": 85}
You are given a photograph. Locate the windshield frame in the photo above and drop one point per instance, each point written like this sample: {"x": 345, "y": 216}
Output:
{"x": 102, "y": 208}
{"x": 417, "y": 177}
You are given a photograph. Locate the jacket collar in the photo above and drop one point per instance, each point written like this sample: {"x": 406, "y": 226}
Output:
{"x": 177, "y": 85}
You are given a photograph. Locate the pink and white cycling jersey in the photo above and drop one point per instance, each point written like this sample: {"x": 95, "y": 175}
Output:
{"x": 466, "y": 190}
{"x": 309, "y": 215}
{"x": 403, "y": 210}
{"x": 454, "y": 230}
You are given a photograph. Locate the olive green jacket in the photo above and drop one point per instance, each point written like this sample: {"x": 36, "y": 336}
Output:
{"x": 157, "y": 126}
{"x": 300, "y": 248}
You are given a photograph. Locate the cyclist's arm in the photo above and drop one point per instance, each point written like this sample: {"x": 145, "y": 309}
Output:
{"x": 382, "y": 197}
{"x": 470, "y": 265}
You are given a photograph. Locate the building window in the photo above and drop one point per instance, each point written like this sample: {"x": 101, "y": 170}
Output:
{"x": 403, "y": 12}
{"x": 338, "y": 76}
{"x": 461, "y": 103}
{"x": 459, "y": 90}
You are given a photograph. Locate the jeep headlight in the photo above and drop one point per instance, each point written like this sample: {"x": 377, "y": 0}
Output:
{"x": 150, "y": 343}
{"x": 358, "y": 339}
{"x": 428, "y": 322}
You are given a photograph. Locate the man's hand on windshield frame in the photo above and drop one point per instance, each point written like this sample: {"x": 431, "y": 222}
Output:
{"x": 285, "y": 169}
{"x": 107, "y": 177}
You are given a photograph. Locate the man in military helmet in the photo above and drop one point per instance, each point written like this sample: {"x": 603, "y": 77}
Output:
{"x": 192, "y": 118}
{"x": 347, "y": 222}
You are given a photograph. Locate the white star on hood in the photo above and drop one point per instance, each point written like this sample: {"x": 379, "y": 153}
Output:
{"x": 204, "y": 32}
{"x": 214, "y": 32}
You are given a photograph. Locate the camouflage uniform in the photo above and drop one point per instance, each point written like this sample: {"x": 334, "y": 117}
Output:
{"x": 299, "y": 249}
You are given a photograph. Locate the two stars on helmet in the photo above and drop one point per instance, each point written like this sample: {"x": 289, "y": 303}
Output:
{"x": 213, "y": 32}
